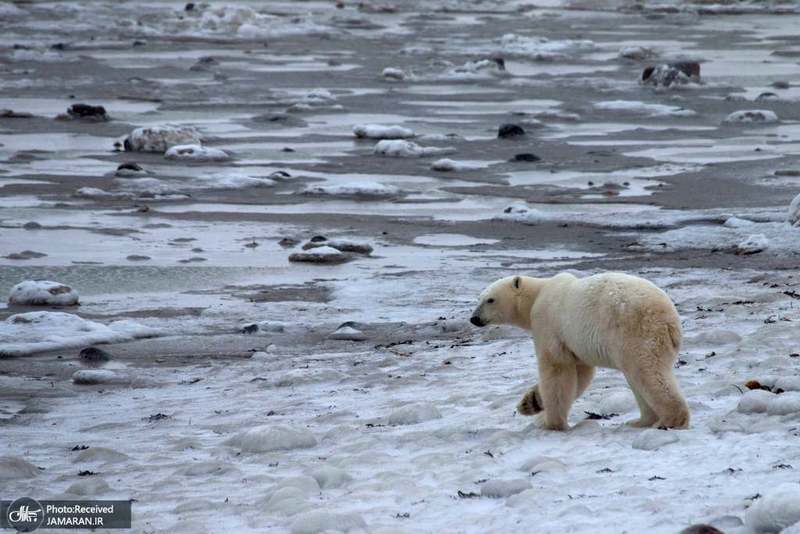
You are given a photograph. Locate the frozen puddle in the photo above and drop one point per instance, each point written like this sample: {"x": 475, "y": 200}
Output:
{"x": 451, "y": 240}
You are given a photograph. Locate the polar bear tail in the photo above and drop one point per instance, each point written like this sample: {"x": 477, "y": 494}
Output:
{"x": 675, "y": 335}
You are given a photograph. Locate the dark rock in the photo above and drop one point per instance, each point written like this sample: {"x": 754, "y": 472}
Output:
{"x": 767, "y": 95}
{"x": 32, "y": 226}
{"x": 189, "y": 6}
{"x": 25, "y": 255}
{"x": 510, "y": 130}
{"x": 87, "y": 112}
{"x": 11, "y": 114}
{"x": 668, "y": 74}
{"x": 780, "y": 84}
{"x": 94, "y": 356}
{"x": 130, "y": 167}
{"x": 526, "y": 157}
{"x": 701, "y": 529}
{"x": 288, "y": 242}
{"x": 137, "y": 257}
{"x": 250, "y": 329}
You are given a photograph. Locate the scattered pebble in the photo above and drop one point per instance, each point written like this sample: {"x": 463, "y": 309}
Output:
{"x": 526, "y": 157}
{"x": 94, "y": 356}
{"x": 42, "y": 293}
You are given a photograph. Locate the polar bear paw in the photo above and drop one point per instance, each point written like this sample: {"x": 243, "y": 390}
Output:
{"x": 531, "y": 403}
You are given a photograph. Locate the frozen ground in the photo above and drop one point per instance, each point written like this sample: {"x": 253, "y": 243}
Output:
{"x": 246, "y": 393}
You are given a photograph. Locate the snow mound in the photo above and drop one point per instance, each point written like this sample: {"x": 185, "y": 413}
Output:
{"x": 13, "y": 467}
{"x": 522, "y": 213}
{"x": 354, "y": 189}
{"x": 329, "y": 477}
{"x": 788, "y": 383}
{"x": 348, "y": 333}
{"x": 92, "y": 487}
{"x": 775, "y": 511}
{"x": 716, "y": 337}
{"x": 498, "y": 489}
{"x": 755, "y": 401}
{"x": 94, "y": 193}
{"x": 42, "y": 293}
{"x": 539, "y": 464}
{"x": 616, "y": 402}
{"x": 345, "y": 245}
{"x": 322, "y": 521}
{"x": 287, "y": 501}
{"x": 267, "y": 438}
{"x": 784, "y": 404}
{"x": 304, "y": 483}
{"x": 653, "y": 439}
{"x": 636, "y": 52}
{"x": 233, "y": 180}
{"x": 754, "y": 244}
{"x": 406, "y": 149}
{"x": 746, "y": 116}
{"x": 446, "y": 165}
{"x": 736, "y": 222}
{"x": 413, "y": 414}
{"x": 393, "y": 74}
{"x": 377, "y": 131}
{"x": 651, "y": 110}
{"x": 319, "y": 255}
{"x": 196, "y": 152}
{"x": 94, "y": 377}
{"x": 100, "y": 455}
{"x": 160, "y": 138}
{"x": 28, "y": 333}
{"x": 794, "y": 212}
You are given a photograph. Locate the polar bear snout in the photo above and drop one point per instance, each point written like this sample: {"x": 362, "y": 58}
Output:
{"x": 477, "y": 321}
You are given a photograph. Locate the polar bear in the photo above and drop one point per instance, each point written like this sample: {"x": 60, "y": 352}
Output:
{"x": 607, "y": 320}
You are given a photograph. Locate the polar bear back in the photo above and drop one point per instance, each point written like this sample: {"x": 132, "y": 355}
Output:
{"x": 605, "y": 318}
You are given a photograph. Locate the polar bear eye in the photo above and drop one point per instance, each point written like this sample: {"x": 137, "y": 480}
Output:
{"x": 490, "y": 301}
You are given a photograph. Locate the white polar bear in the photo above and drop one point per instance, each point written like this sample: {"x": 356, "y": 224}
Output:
{"x": 607, "y": 320}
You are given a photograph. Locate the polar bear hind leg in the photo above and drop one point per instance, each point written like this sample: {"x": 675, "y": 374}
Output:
{"x": 658, "y": 395}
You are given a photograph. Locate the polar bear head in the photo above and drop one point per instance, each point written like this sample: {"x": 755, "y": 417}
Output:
{"x": 497, "y": 304}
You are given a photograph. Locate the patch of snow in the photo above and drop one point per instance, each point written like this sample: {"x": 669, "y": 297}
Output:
{"x": 320, "y": 521}
{"x": 268, "y": 438}
{"x": 348, "y": 333}
{"x": 196, "y": 152}
{"x": 42, "y": 293}
{"x": 93, "y": 377}
{"x": 653, "y": 439}
{"x": 378, "y": 131}
{"x": 752, "y": 116}
{"x": 777, "y": 510}
{"x": 330, "y": 477}
{"x": 412, "y": 414}
{"x": 28, "y": 333}
{"x": 393, "y": 74}
{"x": 794, "y": 211}
{"x": 319, "y": 255}
{"x": 784, "y": 404}
{"x": 651, "y": 110}
{"x": 447, "y": 165}
{"x": 13, "y": 467}
{"x": 636, "y": 52}
{"x": 755, "y": 401}
{"x": 524, "y": 214}
{"x": 540, "y": 48}
{"x": 354, "y": 189}
{"x": 500, "y": 489}
{"x": 753, "y": 244}
{"x": 406, "y": 149}
{"x": 161, "y": 138}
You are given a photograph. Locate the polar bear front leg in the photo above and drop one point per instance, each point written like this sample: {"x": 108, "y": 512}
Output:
{"x": 558, "y": 389}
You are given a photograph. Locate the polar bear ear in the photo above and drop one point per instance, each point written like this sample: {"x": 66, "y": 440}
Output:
{"x": 516, "y": 283}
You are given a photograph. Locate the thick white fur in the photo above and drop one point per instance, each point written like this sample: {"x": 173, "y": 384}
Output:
{"x": 606, "y": 320}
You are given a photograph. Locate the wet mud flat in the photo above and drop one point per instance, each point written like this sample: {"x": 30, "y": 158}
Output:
{"x": 345, "y": 389}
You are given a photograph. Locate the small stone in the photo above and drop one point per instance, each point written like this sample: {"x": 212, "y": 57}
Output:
{"x": 507, "y": 131}
{"x": 137, "y": 257}
{"x": 94, "y": 356}
{"x": 526, "y": 157}
{"x": 32, "y": 226}
{"x": 87, "y": 112}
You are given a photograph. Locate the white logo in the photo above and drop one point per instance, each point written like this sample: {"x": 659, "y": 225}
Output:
{"x": 24, "y": 515}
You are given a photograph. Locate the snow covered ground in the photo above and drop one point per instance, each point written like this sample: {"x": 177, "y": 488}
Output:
{"x": 280, "y": 232}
